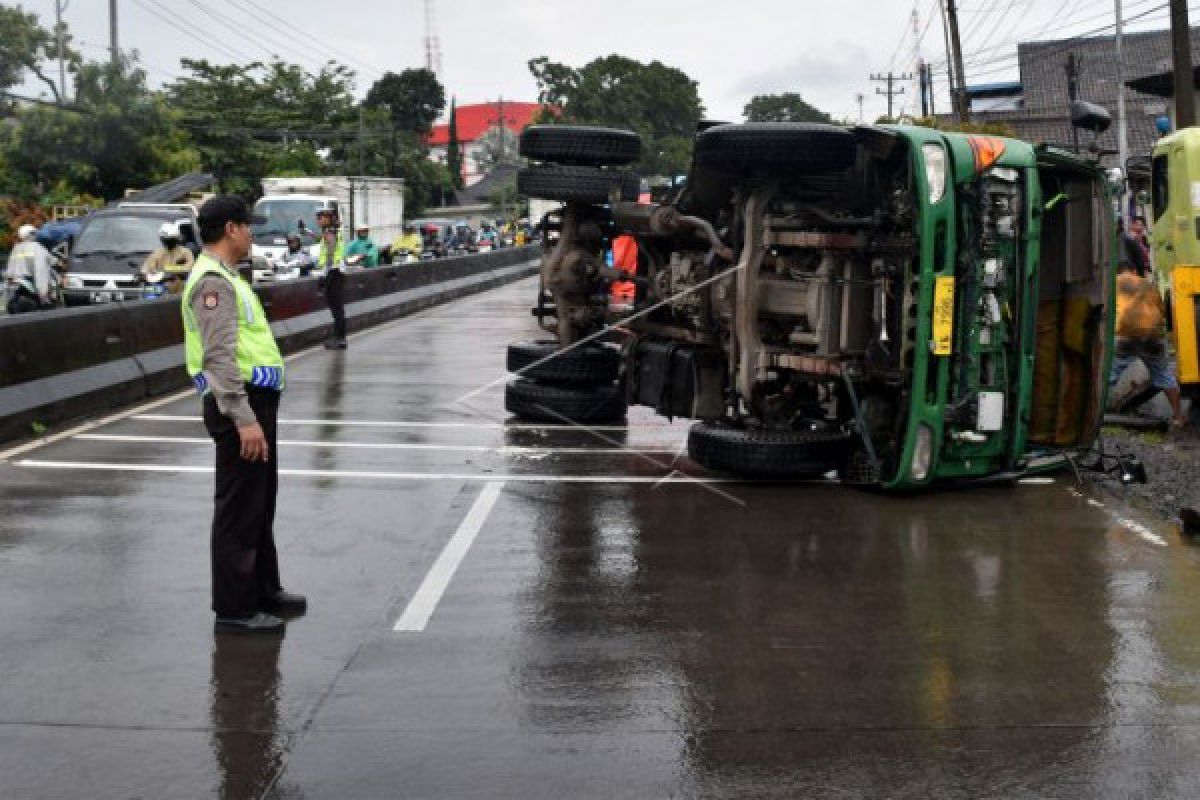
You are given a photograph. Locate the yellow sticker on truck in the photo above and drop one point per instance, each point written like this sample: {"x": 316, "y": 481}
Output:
{"x": 943, "y": 316}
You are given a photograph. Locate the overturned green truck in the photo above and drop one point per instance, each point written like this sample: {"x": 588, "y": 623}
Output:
{"x": 896, "y": 304}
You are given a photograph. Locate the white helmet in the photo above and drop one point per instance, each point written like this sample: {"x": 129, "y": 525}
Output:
{"x": 168, "y": 230}
{"x": 26, "y": 232}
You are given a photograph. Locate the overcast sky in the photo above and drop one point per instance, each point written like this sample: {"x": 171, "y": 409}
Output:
{"x": 826, "y": 51}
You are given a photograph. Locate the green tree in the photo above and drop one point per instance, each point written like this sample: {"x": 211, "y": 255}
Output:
{"x": 786, "y": 107}
{"x": 657, "y": 101}
{"x": 454, "y": 156}
{"x": 496, "y": 146}
{"x": 415, "y": 98}
{"x": 117, "y": 135}
{"x": 245, "y": 117}
{"x": 25, "y": 46}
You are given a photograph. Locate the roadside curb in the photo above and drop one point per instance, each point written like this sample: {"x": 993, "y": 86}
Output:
{"x": 136, "y": 376}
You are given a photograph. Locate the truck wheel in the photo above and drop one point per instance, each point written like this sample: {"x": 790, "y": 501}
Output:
{"x": 545, "y": 362}
{"x": 540, "y": 403}
{"x": 797, "y": 146}
{"x": 766, "y": 454}
{"x": 577, "y": 184}
{"x": 581, "y": 145}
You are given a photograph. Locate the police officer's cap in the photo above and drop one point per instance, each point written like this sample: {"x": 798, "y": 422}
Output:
{"x": 225, "y": 208}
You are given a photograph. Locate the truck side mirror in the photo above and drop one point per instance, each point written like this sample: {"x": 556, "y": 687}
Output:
{"x": 1090, "y": 117}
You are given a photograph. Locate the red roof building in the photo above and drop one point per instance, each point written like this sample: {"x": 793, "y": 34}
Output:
{"x": 474, "y": 121}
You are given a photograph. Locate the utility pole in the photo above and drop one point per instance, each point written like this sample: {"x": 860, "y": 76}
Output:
{"x": 929, "y": 87}
{"x": 1181, "y": 51}
{"x": 958, "y": 92}
{"x": 1073, "y": 91}
{"x": 1122, "y": 134}
{"x": 860, "y": 97}
{"x": 112, "y": 32}
{"x": 924, "y": 89}
{"x": 362, "y": 170}
{"x": 60, "y": 33}
{"x": 891, "y": 91}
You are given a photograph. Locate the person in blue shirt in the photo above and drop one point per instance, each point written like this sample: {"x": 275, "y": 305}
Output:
{"x": 362, "y": 252}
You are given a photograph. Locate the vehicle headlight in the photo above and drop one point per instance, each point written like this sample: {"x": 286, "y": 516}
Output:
{"x": 935, "y": 170}
{"x": 922, "y": 457}
{"x": 73, "y": 282}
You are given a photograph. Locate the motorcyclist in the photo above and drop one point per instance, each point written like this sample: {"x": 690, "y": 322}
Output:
{"x": 29, "y": 264}
{"x": 171, "y": 260}
{"x": 297, "y": 256}
{"x": 409, "y": 242}
{"x": 363, "y": 251}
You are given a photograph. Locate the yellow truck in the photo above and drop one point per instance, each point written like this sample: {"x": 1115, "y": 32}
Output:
{"x": 1175, "y": 199}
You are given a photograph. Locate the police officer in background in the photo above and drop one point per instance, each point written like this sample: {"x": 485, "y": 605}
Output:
{"x": 331, "y": 257}
{"x": 234, "y": 361}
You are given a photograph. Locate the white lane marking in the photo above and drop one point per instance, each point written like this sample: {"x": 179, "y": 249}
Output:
{"x": 1094, "y": 503}
{"x": 366, "y": 423}
{"x": 503, "y": 450}
{"x": 429, "y": 594}
{"x": 87, "y": 426}
{"x": 138, "y": 411}
{"x": 400, "y": 476}
{"x": 1036, "y": 481}
{"x": 1143, "y": 532}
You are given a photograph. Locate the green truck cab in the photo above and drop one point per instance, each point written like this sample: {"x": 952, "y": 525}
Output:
{"x": 897, "y": 304}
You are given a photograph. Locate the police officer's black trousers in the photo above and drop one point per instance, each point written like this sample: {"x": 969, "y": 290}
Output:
{"x": 337, "y": 307}
{"x": 245, "y": 567}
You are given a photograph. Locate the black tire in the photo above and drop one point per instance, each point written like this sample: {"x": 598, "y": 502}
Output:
{"x": 542, "y": 361}
{"x": 795, "y": 146}
{"x": 22, "y": 304}
{"x": 581, "y": 145}
{"x": 766, "y": 454}
{"x": 557, "y": 404}
{"x": 577, "y": 184}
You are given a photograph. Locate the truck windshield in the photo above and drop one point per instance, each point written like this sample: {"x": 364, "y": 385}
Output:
{"x": 282, "y": 216}
{"x": 119, "y": 234}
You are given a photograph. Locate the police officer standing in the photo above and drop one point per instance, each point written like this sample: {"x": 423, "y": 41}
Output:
{"x": 234, "y": 361}
{"x": 331, "y": 257}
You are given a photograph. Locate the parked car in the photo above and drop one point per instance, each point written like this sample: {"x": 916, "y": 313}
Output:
{"x": 895, "y": 304}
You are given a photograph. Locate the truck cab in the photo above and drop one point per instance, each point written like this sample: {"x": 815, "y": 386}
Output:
{"x": 1175, "y": 239}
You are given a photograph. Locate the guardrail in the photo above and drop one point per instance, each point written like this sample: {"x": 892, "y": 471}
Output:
{"x": 60, "y": 365}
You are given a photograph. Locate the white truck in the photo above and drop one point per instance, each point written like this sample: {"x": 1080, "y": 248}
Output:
{"x": 291, "y": 204}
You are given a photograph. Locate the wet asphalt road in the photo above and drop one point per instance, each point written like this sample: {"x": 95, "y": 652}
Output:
{"x": 599, "y": 634}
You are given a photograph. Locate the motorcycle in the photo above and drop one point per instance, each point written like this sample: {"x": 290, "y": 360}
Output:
{"x": 403, "y": 257}
{"x": 21, "y": 294}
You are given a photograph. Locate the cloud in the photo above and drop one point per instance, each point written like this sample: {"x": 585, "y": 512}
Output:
{"x": 827, "y": 78}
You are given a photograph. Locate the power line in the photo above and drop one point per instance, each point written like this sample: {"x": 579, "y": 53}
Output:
{"x": 1068, "y": 44}
{"x": 268, "y": 17}
{"x": 191, "y": 34}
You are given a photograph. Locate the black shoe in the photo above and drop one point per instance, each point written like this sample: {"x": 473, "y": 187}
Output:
{"x": 332, "y": 344}
{"x": 285, "y": 602}
{"x": 259, "y": 623}
{"x": 341, "y": 344}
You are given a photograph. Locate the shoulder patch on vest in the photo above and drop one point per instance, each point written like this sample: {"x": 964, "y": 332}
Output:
{"x": 210, "y": 300}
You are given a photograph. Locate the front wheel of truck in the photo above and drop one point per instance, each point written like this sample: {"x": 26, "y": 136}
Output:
{"x": 770, "y": 454}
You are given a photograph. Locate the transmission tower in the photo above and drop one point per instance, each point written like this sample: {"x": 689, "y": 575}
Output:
{"x": 433, "y": 48}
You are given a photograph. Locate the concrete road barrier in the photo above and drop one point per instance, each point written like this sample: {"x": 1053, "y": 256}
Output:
{"x": 60, "y": 365}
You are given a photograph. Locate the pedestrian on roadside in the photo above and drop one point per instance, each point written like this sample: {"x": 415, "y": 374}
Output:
{"x": 1141, "y": 334}
{"x": 362, "y": 252}
{"x": 1136, "y": 247}
{"x": 233, "y": 360}
{"x": 331, "y": 257}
